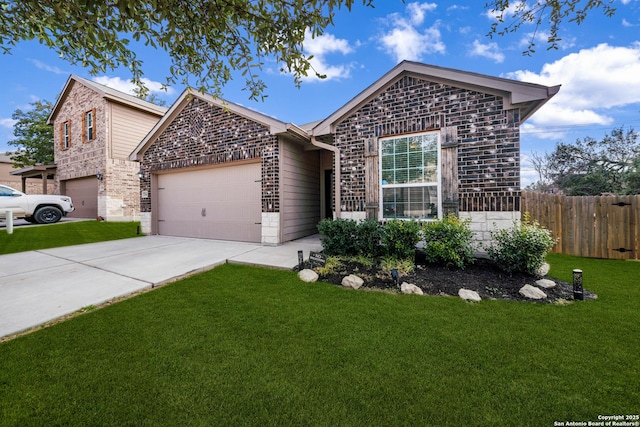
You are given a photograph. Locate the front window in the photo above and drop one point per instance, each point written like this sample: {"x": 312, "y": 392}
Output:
{"x": 409, "y": 173}
{"x": 88, "y": 126}
{"x": 66, "y": 135}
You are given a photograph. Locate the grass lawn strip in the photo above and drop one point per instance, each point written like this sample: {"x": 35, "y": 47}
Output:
{"x": 243, "y": 345}
{"x": 31, "y": 238}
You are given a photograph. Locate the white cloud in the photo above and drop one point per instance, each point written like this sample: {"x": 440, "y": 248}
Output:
{"x": 7, "y": 123}
{"x": 41, "y": 65}
{"x": 322, "y": 46}
{"x": 127, "y": 86}
{"x": 626, "y": 23}
{"x": 593, "y": 81}
{"x": 406, "y": 40}
{"x": 488, "y": 50}
{"x": 417, "y": 11}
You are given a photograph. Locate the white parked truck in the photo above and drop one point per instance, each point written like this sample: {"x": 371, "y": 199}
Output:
{"x": 38, "y": 208}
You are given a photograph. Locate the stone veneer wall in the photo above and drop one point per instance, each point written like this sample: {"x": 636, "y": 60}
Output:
{"x": 81, "y": 158}
{"x": 121, "y": 199}
{"x": 488, "y": 137}
{"x": 204, "y": 134}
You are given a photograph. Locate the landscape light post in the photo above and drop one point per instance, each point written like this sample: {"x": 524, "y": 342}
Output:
{"x": 578, "y": 291}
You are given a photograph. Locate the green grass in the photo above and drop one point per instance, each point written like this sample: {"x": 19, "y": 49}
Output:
{"x": 29, "y": 238}
{"x": 247, "y": 346}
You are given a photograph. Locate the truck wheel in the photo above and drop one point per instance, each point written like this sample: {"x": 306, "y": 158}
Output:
{"x": 47, "y": 215}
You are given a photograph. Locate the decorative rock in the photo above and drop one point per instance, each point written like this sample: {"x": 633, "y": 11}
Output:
{"x": 307, "y": 275}
{"x": 532, "y": 292}
{"x": 469, "y": 295}
{"x": 352, "y": 281}
{"x": 410, "y": 288}
{"x": 543, "y": 270}
{"x": 545, "y": 283}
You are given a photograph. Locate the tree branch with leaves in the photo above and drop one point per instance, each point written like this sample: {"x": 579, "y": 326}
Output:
{"x": 546, "y": 16}
{"x": 207, "y": 40}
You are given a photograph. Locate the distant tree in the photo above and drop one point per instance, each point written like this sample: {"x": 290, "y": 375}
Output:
{"x": 544, "y": 183}
{"x": 590, "y": 167}
{"x": 148, "y": 96}
{"x": 547, "y": 16}
{"x": 34, "y": 136}
{"x": 206, "y": 40}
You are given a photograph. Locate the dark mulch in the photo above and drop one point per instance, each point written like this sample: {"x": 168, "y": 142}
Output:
{"x": 484, "y": 277}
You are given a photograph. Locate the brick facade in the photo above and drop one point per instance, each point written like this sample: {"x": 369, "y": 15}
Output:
{"x": 204, "y": 134}
{"x": 487, "y": 136}
{"x": 118, "y": 197}
{"x": 81, "y": 158}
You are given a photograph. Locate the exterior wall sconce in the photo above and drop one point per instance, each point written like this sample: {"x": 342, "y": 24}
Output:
{"x": 140, "y": 174}
{"x": 99, "y": 176}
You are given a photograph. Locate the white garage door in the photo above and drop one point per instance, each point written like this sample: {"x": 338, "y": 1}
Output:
{"x": 84, "y": 193}
{"x": 221, "y": 203}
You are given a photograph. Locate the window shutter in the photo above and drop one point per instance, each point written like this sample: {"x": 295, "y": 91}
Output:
{"x": 449, "y": 169}
{"x": 372, "y": 178}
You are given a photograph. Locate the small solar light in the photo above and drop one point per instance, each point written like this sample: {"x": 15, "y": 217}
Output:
{"x": 578, "y": 291}
{"x": 394, "y": 274}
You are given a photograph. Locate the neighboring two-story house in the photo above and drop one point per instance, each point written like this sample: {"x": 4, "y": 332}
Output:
{"x": 95, "y": 130}
{"x": 420, "y": 142}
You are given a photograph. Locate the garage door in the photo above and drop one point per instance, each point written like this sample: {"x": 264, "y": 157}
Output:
{"x": 84, "y": 193}
{"x": 221, "y": 203}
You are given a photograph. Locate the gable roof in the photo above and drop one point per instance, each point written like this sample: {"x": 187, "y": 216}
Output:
{"x": 276, "y": 127}
{"x": 106, "y": 93}
{"x": 529, "y": 97}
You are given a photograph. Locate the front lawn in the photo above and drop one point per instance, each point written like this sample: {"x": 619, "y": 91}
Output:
{"x": 30, "y": 238}
{"x": 241, "y": 345}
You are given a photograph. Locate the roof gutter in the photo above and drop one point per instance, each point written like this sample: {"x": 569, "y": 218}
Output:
{"x": 336, "y": 168}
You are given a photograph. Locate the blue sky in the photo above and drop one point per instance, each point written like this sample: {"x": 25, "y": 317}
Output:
{"x": 597, "y": 64}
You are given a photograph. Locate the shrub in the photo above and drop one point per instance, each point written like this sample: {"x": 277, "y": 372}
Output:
{"x": 370, "y": 235}
{"x": 400, "y": 238}
{"x": 339, "y": 236}
{"x": 448, "y": 242}
{"x": 521, "y": 248}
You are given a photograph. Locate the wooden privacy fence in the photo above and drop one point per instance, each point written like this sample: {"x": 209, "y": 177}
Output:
{"x": 588, "y": 226}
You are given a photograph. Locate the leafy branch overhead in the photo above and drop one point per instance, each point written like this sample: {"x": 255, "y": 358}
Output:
{"x": 206, "y": 40}
{"x": 546, "y": 16}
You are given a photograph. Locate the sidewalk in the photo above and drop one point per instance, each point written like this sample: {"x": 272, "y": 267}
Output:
{"x": 40, "y": 286}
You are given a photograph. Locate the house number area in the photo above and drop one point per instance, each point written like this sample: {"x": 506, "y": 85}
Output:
{"x": 632, "y": 420}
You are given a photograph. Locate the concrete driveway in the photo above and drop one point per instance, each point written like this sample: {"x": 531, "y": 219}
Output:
{"x": 39, "y": 286}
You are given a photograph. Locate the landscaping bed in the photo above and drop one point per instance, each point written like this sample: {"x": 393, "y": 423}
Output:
{"x": 483, "y": 277}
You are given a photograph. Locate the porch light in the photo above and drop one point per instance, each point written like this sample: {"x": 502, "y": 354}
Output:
{"x": 140, "y": 175}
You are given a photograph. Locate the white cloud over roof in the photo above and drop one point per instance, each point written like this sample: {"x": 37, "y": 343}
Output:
{"x": 406, "y": 40}
{"x": 322, "y": 46}
{"x": 487, "y": 50}
{"x": 127, "y": 86}
{"x": 593, "y": 81}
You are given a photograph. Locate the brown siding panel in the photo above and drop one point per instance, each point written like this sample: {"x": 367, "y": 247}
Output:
{"x": 301, "y": 191}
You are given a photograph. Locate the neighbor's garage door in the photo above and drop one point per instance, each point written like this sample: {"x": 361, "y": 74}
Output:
{"x": 221, "y": 203}
{"x": 84, "y": 193}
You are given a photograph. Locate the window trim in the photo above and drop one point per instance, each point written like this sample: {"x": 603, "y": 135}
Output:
{"x": 438, "y": 181}
{"x": 65, "y": 135}
{"x": 85, "y": 127}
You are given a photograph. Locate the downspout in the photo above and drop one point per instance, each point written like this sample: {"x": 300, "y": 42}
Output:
{"x": 336, "y": 169}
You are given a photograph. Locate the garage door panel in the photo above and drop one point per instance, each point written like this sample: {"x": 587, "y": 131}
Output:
{"x": 84, "y": 193}
{"x": 219, "y": 203}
